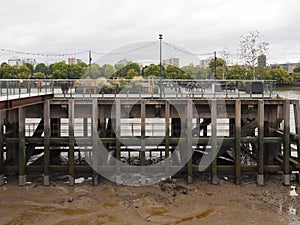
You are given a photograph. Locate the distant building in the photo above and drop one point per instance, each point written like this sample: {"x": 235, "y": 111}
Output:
{"x": 204, "y": 63}
{"x": 20, "y": 62}
{"x": 262, "y": 60}
{"x": 72, "y": 61}
{"x": 172, "y": 61}
{"x": 289, "y": 67}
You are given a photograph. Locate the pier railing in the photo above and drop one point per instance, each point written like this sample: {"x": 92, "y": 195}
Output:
{"x": 133, "y": 88}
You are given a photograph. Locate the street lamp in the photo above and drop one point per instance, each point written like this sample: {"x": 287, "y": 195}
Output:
{"x": 160, "y": 65}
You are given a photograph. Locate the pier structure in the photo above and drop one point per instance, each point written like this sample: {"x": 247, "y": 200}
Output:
{"x": 50, "y": 132}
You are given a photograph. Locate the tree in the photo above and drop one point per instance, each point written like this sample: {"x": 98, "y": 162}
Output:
{"x": 123, "y": 72}
{"x": 131, "y": 74}
{"x": 281, "y": 76}
{"x": 9, "y": 72}
{"x": 252, "y": 46}
{"x": 151, "y": 70}
{"x": 59, "y": 70}
{"x": 41, "y": 67}
{"x": 75, "y": 71}
{"x": 107, "y": 70}
{"x": 39, "y": 75}
{"x": 173, "y": 72}
{"x": 237, "y": 73}
{"x": 221, "y": 68}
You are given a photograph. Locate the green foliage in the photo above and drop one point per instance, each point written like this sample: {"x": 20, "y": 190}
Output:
{"x": 281, "y": 76}
{"x": 39, "y": 75}
{"x": 197, "y": 72}
{"x": 9, "y": 72}
{"x": 75, "y": 71}
{"x": 297, "y": 69}
{"x": 173, "y": 72}
{"x": 124, "y": 71}
{"x": 41, "y": 67}
{"x": 23, "y": 75}
{"x": 131, "y": 74}
{"x": 59, "y": 70}
{"x": 151, "y": 71}
{"x": 237, "y": 73}
{"x": 221, "y": 68}
{"x": 107, "y": 70}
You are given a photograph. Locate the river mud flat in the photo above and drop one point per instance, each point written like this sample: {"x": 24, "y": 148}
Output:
{"x": 169, "y": 202}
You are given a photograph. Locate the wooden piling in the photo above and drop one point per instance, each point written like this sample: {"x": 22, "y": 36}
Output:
{"x": 214, "y": 177}
{"x": 260, "y": 161}
{"x": 22, "y": 153}
{"x": 71, "y": 143}
{"x": 297, "y": 126}
{"x": 95, "y": 137}
{"x": 118, "y": 141}
{"x": 286, "y": 142}
{"x": 238, "y": 141}
{"x": 167, "y": 139}
{"x": 1, "y": 149}
{"x": 189, "y": 124}
{"x": 46, "y": 176}
{"x": 143, "y": 141}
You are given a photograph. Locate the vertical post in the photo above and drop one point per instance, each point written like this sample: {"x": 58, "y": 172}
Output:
{"x": 160, "y": 65}
{"x": 297, "y": 126}
{"x": 189, "y": 123}
{"x": 118, "y": 141}
{"x": 261, "y": 130}
{"x": 1, "y": 150}
{"x": 214, "y": 177}
{"x": 47, "y": 142}
{"x": 286, "y": 142}
{"x": 85, "y": 127}
{"x": 90, "y": 64}
{"x": 71, "y": 143}
{"x": 22, "y": 156}
{"x": 95, "y": 160}
{"x": 143, "y": 140}
{"x": 238, "y": 141}
{"x": 167, "y": 139}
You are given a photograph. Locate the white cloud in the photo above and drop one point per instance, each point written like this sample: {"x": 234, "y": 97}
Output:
{"x": 73, "y": 25}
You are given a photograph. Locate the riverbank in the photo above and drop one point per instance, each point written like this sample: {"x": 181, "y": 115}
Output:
{"x": 172, "y": 202}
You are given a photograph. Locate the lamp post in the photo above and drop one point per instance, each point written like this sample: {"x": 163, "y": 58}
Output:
{"x": 160, "y": 65}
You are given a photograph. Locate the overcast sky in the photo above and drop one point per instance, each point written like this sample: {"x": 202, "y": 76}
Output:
{"x": 201, "y": 26}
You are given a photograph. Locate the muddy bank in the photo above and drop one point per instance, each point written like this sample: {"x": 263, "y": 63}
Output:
{"x": 170, "y": 202}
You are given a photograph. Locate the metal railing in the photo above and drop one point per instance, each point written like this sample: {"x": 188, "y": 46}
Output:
{"x": 143, "y": 88}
